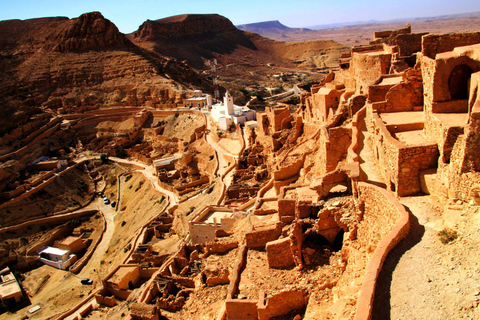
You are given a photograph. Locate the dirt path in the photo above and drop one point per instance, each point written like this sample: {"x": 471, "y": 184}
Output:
{"x": 222, "y": 163}
{"x": 94, "y": 262}
{"x": 423, "y": 278}
{"x": 368, "y": 170}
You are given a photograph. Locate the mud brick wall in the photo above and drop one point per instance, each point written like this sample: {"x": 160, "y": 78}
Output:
{"x": 404, "y": 96}
{"x": 409, "y": 43}
{"x": 378, "y": 93}
{"x": 288, "y": 171}
{"x": 385, "y": 147}
{"x": 339, "y": 139}
{"x": 367, "y": 68}
{"x": 411, "y": 161}
{"x": 260, "y": 237}
{"x": 445, "y": 137}
{"x": 428, "y": 70}
{"x": 276, "y": 116}
{"x": 435, "y": 43}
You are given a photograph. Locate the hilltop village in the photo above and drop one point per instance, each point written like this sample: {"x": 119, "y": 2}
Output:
{"x": 198, "y": 208}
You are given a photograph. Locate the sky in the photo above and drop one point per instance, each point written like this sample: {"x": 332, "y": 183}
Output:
{"x": 128, "y": 15}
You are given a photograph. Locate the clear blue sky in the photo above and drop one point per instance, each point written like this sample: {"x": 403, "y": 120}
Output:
{"x": 128, "y": 15}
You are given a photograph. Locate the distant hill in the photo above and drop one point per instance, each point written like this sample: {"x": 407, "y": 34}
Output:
{"x": 276, "y": 30}
{"x": 467, "y": 15}
{"x": 361, "y": 32}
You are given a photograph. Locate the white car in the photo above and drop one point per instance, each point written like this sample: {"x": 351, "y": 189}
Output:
{"x": 105, "y": 200}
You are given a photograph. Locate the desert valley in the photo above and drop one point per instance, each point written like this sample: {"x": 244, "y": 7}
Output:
{"x": 193, "y": 169}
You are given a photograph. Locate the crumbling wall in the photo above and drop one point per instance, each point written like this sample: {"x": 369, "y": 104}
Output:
{"x": 368, "y": 67}
{"x": 281, "y": 303}
{"x": 406, "y": 95}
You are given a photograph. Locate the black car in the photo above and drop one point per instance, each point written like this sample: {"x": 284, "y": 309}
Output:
{"x": 113, "y": 204}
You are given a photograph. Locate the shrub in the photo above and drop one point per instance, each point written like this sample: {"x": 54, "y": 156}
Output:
{"x": 104, "y": 157}
{"x": 447, "y": 235}
{"x": 128, "y": 177}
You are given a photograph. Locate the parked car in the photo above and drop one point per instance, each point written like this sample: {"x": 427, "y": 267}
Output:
{"x": 113, "y": 204}
{"x": 105, "y": 200}
{"x": 86, "y": 281}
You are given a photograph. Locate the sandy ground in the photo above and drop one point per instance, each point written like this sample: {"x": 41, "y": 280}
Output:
{"x": 426, "y": 279}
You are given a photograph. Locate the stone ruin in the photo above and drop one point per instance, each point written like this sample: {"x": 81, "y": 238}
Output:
{"x": 322, "y": 220}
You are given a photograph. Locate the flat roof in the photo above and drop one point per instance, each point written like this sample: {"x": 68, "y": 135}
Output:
{"x": 166, "y": 160}
{"x": 69, "y": 240}
{"x": 52, "y": 250}
{"x": 413, "y": 137}
{"x": 453, "y": 119}
{"x": 121, "y": 273}
{"x": 209, "y": 218}
{"x": 390, "y": 80}
{"x": 399, "y": 118}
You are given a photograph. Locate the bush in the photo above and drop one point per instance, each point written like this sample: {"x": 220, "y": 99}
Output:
{"x": 128, "y": 177}
{"x": 447, "y": 235}
{"x": 104, "y": 157}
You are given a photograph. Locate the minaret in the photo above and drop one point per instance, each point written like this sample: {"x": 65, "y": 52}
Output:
{"x": 228, "y": 104}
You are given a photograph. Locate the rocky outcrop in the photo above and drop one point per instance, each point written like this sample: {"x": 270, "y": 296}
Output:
{"x": 89, "y": 31}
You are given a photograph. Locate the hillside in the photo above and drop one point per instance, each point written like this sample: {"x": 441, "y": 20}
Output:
{"x": 80, "y": 63}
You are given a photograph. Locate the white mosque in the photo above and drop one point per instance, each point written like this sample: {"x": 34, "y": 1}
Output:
{"x": 226, "y": 113}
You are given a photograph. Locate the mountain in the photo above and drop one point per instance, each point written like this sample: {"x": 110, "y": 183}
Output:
{"x": 192, "y": 37}
{"x": 196, "y": 38}
{"x": 275, "y": 30}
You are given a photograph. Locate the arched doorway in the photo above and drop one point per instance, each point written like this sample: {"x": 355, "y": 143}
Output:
{"x": 458, "y": 82}
{"x": 316, "y": 238}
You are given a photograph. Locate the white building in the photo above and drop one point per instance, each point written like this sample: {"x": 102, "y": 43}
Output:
{"x": 58, "y": 258}
{"x": 199, "y": 100}
{"x": 226, "y": 113}
{"x": 9, "y": 287}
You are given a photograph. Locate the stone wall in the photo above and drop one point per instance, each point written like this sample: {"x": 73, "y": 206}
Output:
{"x": 411, "y": 161}
{"x": 409, "y": 43}
{"x": 437, "y": 43}
{"x": 368, "y": 68}
{"x": 339, "y": 139}
{"x": 385, "y": 223}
